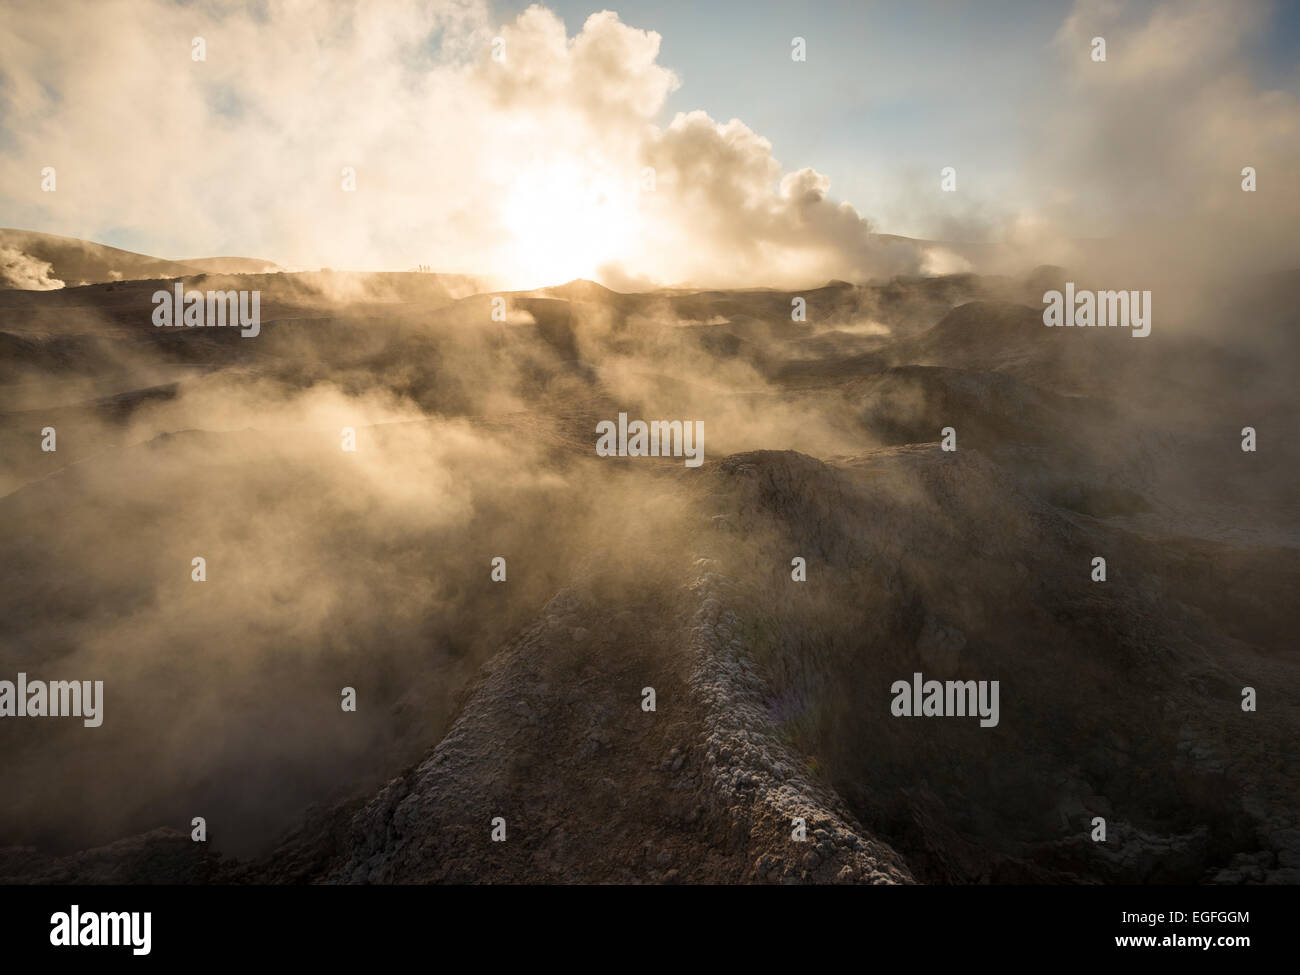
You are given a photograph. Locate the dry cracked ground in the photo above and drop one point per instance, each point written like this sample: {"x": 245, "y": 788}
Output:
{"x": 523, "y": 699}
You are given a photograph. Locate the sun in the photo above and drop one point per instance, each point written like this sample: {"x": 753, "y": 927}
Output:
{"x": 565, "y": 220}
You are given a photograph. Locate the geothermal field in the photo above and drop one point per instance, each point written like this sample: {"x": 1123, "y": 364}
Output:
{"x": 701, "y": 444}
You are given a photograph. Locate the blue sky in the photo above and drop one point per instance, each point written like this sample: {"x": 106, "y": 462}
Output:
{"x": 891, "y": 91}
{"x": 241, "y": 153}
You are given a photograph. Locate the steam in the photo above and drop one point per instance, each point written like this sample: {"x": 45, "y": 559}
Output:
{"x": 531, "y": 169}
{"x": 371, "y": 569}
{"x": 19, "y": 270}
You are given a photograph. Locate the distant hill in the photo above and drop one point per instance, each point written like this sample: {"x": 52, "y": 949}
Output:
{"x": 580, "y": 289}
{"x": 75, "y": 262}
{"x": 231, "y": 265}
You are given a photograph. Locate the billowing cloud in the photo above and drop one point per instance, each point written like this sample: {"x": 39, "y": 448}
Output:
{"x": 762, "y": 225}
{"x": 529, "y": 155}
{"x": 20, "y": 270}
{"x": 516, "y": 150}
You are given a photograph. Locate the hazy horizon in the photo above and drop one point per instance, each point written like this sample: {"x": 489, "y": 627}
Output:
{"x": 513, "y": 144}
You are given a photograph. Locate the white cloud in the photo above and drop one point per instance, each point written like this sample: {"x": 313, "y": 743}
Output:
{"x": 529, "y": 168}
{"x": 20, "y": 270}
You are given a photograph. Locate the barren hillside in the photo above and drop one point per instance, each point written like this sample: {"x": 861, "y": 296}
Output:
{"x": 523, "y": 699}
